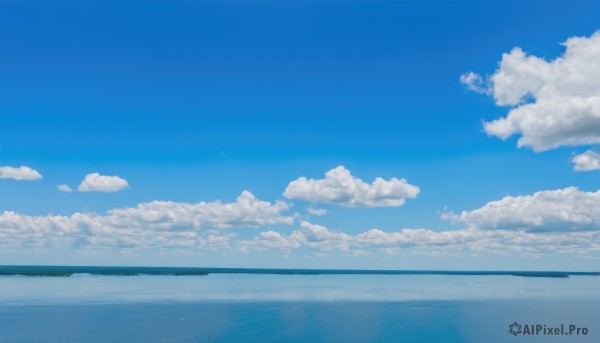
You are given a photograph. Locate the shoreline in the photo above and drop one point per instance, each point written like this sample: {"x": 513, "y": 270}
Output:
{"x": 67, "y": 271}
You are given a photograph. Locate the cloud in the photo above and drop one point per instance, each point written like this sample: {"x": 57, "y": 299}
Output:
{"x": 161, "y": 224}
{"x": 587, "y": 161}
{"x": 316, "y": 211}
{"x": 246, "y": 211}
{"x": 64, "y": 188}
{"x": 561, "y": 221}
{"x": 311, "y": 235}
{"x": 567, "y": 209}
{"x": 425, "y": 241}
{"x": 269, "y": 240}
{"x": 19, "y": 174}
{"x": 554, "y": 103}
{"x": 21, "y": 232}
{"x": 323, "y": 239}
{"x": 217, "y": 242}
{"x": 99, "y": 183}
{"x": 197, "y": 227}
{"x": 475, "y": 82}
{"x": 341, "y": 188}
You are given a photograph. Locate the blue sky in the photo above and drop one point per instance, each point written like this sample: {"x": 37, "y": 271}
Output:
{"x": 199, "y": 101}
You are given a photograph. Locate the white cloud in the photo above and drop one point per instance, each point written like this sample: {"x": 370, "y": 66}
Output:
{"x": 424, "y": 241}
{"x": 246, "y": 211}
{"x": 587, "y": 161}
{"x": 567, "y": 209}
{"x": 310, "y": 235}
{"x": 323, "y": 239}
{"x": 341, "y": 188}
{"x": 64, "y": 188}
{"x": 95, "y": 182}
{"x": 217, "y": 242}
{"x": 23, "y": 232}
{"x": 316, "y": 211}
{"x": 268, "y": 240}
{"x": 561, "y": 221}
{"x": 474, "y": 82}
{"x": 20, "y": 173}
{"x": 555, "y": 103}
{"x": 474, "y": 240}
{"x": 159, "y": 224}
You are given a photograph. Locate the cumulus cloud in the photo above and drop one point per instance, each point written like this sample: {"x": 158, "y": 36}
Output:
{"x": 95, "y": 182}
{"x": 554, "y": 103}
{"x": 567, "y": 209}
{"x": 341, "y": 188}
{"x": 269, "y": 240}
{"x": 321, "y": 238}
{"x": 310, "y": 235}
{"x": 560, "y": 221}
{"x": 155, "y": 224}
{"x": 64, "y": 188}
{"x": 217, "y": 242}
{"x": 246, "y": 211}
{"x": 20, "y": 173}
{"x": 587, "y": 161}
{"x": 437, "y": 243}
{"x": 23, "y": 232}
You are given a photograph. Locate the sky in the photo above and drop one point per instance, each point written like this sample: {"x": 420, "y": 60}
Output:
{"x": 444, "y": 135}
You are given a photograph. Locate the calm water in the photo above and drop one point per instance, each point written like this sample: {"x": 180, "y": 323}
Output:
{"x": 256, "y": 287}
{"x": 294, "y": 308}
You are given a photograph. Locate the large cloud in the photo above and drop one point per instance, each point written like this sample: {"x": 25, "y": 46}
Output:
{"x": 154, "y": 224}
{"x": 567, "y": 209}
{"x": 89, "y": 232}
{"x": 95, "y": 182}
{"x": 587, "y": 161}
{"x": 20, "y": 173}
{"x": 561, "y": 221}
{"x": 341, "y": 188}
{"x": 555, "y": 103}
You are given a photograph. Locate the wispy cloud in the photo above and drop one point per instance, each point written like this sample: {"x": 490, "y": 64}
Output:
{"x": 475, "y": 82}
{"x": 64, "y": 188}
{"x": 316, "y": 211}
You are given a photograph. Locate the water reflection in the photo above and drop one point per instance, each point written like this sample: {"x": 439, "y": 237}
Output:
{"x": 249, "y": 287}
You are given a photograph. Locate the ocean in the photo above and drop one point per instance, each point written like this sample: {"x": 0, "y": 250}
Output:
{"x": 293, "y": 306}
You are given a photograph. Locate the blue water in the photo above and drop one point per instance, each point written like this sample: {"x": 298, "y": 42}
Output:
{"x": 293, "y": 308}
{"x": 85, "y": 289}
{"x": 421, "y": 321}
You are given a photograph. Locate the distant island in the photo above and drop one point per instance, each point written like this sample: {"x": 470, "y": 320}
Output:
{"x": 65, "y": 271}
